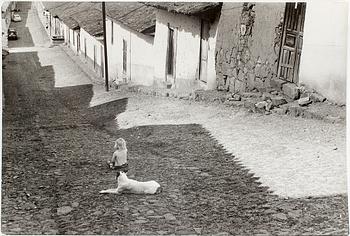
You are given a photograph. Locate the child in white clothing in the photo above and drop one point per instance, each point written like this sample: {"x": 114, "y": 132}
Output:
{"x": 119, "y": 159}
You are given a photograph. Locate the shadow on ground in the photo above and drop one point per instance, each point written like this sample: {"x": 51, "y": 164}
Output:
{"x": 54, "y": 152}
{"x": 53, "y": 169}
{"x": 35, "y": 173}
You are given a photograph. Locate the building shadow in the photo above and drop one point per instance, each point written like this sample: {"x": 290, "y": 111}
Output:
{"x": 205, "y": 187}
{"x": 34, "y": 112}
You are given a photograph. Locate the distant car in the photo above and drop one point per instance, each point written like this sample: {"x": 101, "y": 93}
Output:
{"x": 57, "y": 38}
{"x": 12, "y": 34}
{"x": 16, "y": 18}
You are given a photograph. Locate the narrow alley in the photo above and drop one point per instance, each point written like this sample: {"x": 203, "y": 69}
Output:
{"x": 223, "y": 171}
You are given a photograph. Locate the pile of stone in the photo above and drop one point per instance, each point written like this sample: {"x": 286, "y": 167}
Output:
{"x": 269, "y": 101}
{"x": 307, "y": 97}
{"x": 273, "y": 100}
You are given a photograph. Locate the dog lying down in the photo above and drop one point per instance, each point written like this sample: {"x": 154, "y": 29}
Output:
{"x": 126, "y": 185}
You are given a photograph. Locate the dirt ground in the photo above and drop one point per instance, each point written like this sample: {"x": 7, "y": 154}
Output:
{"x": 56, "y": 140}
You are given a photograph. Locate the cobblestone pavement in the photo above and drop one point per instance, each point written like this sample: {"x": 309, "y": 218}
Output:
{"x": 54, "y": 152}
{"x": 282, "y": 150}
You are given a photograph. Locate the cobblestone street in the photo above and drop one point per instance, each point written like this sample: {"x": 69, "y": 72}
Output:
{"x": 59, "y": 129}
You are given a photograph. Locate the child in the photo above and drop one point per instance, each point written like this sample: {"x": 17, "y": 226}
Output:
{"x": 119, "y": 160}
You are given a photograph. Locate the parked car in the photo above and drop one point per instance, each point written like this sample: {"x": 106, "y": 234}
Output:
{"x": 16, "y": 18}
{"x": 16, "y": 10}
{"x": 12, "y": 34}
{"x": 57, "y": 38}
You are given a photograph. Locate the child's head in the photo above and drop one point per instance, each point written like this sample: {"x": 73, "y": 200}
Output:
{"x": 120, "y": 144}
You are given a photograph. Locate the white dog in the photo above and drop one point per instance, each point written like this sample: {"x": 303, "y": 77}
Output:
{"x": 126, "y": 185}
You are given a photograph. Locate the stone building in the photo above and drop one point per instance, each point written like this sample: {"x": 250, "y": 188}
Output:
{"x": 291, "y": 47}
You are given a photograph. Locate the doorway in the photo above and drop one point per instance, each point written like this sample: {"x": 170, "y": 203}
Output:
{"x": 78, "y": 42}
{"x": 292, "y": 41}
{"x": 171, "y": 56}
{"x": 204, "y": 47}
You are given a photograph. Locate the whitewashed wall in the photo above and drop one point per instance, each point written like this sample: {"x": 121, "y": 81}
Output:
{"x": 91, "y": 43}
{"x": 73, "y": 40}
{"x": 211, "y": 72}
{"x": 187, "y": 47}
{"x": 323, "y": 58}
{"x": 140, "y": 56}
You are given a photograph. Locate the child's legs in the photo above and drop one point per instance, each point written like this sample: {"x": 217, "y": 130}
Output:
{"x": 124, "y": 168}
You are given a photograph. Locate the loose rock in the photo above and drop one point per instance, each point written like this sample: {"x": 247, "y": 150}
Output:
{"x": 64, "y": 210}
{"x": 304, "y": 101}
{"x": 261, "y": 105}
{"x": 278, "y": 100}
{"x": 169, "y": 217}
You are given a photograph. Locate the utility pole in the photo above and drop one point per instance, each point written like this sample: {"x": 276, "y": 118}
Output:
{"x": 105, "y": 44}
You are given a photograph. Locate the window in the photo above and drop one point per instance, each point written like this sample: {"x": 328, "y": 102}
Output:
{"x": 125, "y": 55}
{"x": 112, "y": 32}
{"x": 73, "y": 39}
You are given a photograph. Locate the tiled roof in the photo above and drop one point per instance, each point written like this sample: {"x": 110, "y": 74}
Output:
{"x": 187, "y": 8}
{"x": 135, "y": 15}
{"x": 78, "y": 14}
{"x": 88, "y": 15}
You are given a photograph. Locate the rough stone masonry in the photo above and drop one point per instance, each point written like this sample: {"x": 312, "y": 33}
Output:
{"x": 248, "y": 44}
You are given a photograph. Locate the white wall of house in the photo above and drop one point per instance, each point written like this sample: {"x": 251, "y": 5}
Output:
{"x": 65, "y": 33}
{"x": 211, "y": 72}
{"x": 93, "y": 47}
{"x": 44, "y": 16}
{"x": 73, "y": 40}
{"x": 40, "y": 9}
{"x": 94, "y": 52}
{"x": 187, "y": 44}
{"x": 140, "y": 57}
{"x": 323, "y": 58}
{"x": 187, "y": 50}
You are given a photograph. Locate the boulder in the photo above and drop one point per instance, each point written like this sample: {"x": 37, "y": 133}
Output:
{"x": 277, "y": 83}
{"x": 291, "y": 90}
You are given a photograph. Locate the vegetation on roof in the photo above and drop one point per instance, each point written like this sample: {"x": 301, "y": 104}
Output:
{"x": 88, "y": 15}
{"x": 186, "y": 8}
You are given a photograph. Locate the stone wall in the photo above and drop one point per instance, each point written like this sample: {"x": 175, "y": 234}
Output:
{"x": 248, "y": 45}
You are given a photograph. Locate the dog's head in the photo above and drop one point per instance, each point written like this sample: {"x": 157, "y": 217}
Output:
{"x": 120, "y": 174}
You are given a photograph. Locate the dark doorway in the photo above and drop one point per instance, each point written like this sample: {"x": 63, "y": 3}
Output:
{"x": 204, "y": 47}
{"x": 170, "y": 57}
